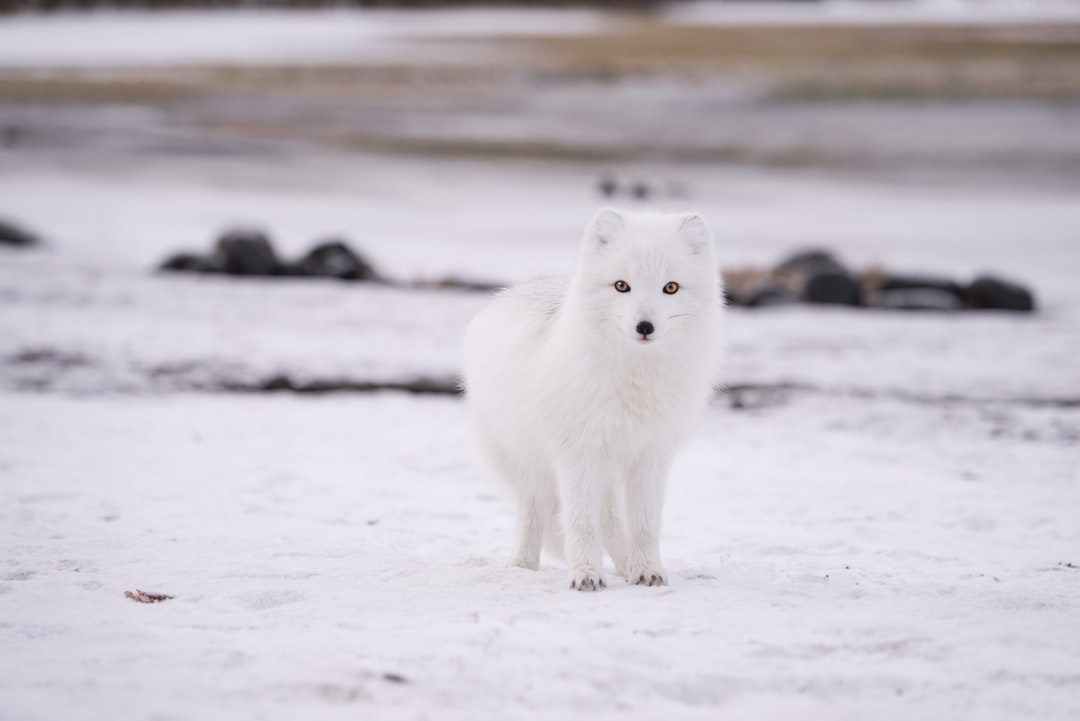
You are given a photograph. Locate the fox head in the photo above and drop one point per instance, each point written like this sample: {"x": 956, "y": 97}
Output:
{"x": 648, "y": 278}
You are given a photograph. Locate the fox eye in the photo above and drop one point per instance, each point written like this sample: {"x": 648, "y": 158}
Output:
{"x": 622, "y": 286}
{"x": 671, "y": 288}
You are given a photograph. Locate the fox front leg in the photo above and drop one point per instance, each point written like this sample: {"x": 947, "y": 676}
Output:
{"x": 580, "y": 498}
{"x": 646, "y": 484}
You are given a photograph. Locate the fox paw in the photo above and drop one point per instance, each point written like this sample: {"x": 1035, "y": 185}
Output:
{"x": 586, "y": 579}
{"x": 647, "y": 577}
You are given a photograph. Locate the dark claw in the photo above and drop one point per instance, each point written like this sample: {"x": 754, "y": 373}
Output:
{"x": 588, "y": 585}
{"x": 652, "y": 580}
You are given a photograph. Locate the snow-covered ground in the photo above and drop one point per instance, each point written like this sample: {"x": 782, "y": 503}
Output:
{"x": 342, "y": 556}
{"x": 184, "y": 37}
{"x": 900, "y": 539}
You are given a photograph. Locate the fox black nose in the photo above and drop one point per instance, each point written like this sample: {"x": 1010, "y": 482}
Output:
{"x": 645, "y": 327}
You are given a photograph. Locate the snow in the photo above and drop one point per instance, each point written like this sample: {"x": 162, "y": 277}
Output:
{"x": 878, "y": 519}
{"x": 894, "y": 540}
{"x": 862, "y": 12}
{"x": 828, "y": 558}
{"x": 110, "y": 39}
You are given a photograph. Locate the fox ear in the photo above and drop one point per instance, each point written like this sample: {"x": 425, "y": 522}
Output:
{"x": 695, "y": 231}
{"x": 605, "y": 227}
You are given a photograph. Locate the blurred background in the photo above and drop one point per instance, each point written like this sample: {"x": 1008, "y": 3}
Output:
{"x": 902, "y": 150}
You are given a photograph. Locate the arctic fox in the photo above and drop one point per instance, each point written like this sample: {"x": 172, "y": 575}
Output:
{"x": 580, "y": 391}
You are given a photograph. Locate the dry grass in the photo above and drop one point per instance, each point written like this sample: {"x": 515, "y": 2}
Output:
{"x": 75, "y": 87}
{"x": 163, "y": 86}
{"x": 144, "y": 597}
{"x": 809, "y": 61}
{"x": 546, "y": 150}
{"x": 833, "y": 61}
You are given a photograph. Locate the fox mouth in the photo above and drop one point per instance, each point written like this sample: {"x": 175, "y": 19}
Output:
{"x": 644, "y": 329}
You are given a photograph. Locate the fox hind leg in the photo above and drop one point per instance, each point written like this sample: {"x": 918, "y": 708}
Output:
{"x": 530, "y": 533}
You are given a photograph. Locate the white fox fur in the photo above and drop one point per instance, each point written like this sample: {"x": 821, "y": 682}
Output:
{"x": 579, "y": 410}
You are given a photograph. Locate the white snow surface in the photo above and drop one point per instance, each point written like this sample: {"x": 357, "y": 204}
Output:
{"x": 830, "y": 559}
{"x": 869, "y": 12}
{"x": 899, "y": 541}
{"x": 147, "y": 39}
{"x": 246, "y": 37}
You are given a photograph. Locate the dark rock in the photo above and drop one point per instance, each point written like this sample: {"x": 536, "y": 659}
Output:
{"x": 771, "y": 295}
{"x": 917, "y": 299}
{"x": 11, "y": 234}
{"x": 335, "y": 259}
{"x": 608, "y": 186}
{"x": 246, "y": 252}
{"x": 920, "y": 282}
{"x": 291, "y": 270}
{"x": 990, "y": 293}
{"x": 816, "y": 276}
{"x": 810, "y": 262}
{"x": 191, "y": 263}
{"x": 640, "y": 191}
{"x": 831, "y": 287}
{"x": 279, "y": 383}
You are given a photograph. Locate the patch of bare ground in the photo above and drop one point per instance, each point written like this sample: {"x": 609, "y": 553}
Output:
{"x": 1024, "y": 61}
{"x": 144, "y": 597}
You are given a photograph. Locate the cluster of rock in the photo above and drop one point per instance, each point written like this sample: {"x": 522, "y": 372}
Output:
{"x": 809, "y": 276}
{"x": 250, "y": 252}
{"x": 816, "y": 276}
